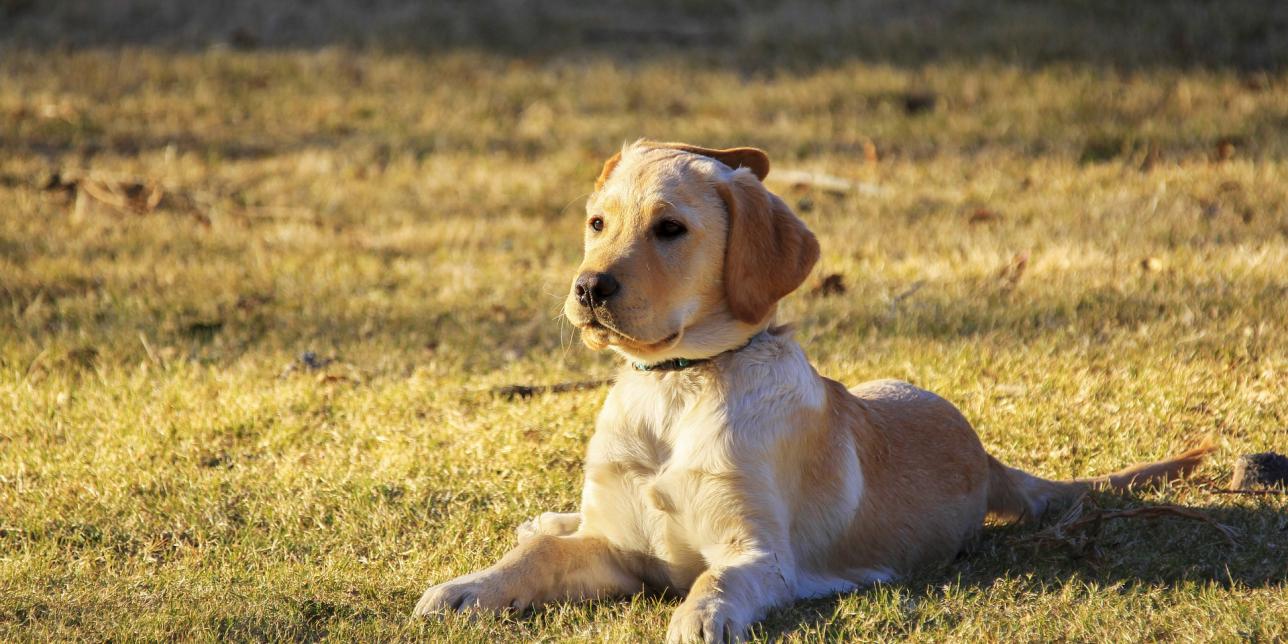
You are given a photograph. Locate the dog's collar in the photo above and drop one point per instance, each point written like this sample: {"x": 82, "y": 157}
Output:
{"x": 680, "y": 364}
{"x": 674, "y": 364}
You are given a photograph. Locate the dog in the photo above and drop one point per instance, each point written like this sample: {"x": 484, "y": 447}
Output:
{"x": 723, "y": 466}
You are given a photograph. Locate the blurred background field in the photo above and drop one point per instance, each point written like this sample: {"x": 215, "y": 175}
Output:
{"x": 262, "y": 262}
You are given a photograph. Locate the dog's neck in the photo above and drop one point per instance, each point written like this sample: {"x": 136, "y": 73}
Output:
{"x": 680, "y": 364}
{"x": 771, "y": 356}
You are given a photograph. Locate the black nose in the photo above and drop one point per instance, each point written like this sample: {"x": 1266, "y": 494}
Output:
{"x": 594, "y": 288}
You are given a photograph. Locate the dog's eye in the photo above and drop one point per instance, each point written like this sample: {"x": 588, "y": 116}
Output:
{"x": 669, "y": 229}
{"x": 596, "y": 223}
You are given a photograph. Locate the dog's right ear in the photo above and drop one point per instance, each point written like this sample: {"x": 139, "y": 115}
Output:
{"x": 608, "y": 170}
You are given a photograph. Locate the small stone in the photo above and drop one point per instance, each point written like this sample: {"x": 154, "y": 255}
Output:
{"x": 309, "y": 360}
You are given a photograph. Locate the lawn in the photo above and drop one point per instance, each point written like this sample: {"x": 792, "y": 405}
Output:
{"x": 254, "y": 304}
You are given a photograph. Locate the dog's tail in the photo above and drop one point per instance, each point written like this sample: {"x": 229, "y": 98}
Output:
{"x": 1015, "y": 495}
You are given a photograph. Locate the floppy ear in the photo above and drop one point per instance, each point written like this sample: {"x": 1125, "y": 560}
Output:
{"x": 608, "y": 170}
{"x": 753, "y": 159}
{"x": 769, "y": 253}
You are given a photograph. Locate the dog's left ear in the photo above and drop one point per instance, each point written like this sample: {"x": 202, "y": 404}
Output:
{"x": 769, "y": 252}
{"x": 753, "y": 159}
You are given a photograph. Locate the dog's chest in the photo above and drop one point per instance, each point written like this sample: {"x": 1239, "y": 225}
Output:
{"x": 647, "y": 478}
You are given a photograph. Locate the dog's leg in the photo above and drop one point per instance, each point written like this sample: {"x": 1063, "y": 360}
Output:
{"x": 729, "y": 597}
{"x": 555, "y": 524}
{"x": 539, "y": 570}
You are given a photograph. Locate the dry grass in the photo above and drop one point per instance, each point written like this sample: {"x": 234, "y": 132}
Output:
{"x": 1071, "y": 254}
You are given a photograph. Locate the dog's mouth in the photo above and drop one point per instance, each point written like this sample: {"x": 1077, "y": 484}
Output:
{"x": 603, "y": 334}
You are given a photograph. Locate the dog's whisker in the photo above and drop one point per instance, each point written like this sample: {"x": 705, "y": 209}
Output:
{"x": 563, "y": 211}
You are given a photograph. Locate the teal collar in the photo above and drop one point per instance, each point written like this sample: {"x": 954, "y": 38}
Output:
{"x": 674, "y": 364}
{"x": 680, "y": 364}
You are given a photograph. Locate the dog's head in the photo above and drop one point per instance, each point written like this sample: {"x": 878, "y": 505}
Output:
{"x": 686, "y": 252}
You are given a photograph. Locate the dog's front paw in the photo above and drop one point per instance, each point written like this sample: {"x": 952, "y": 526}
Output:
{"x": 479, "y": 591}
{"x": 706, "y": 620}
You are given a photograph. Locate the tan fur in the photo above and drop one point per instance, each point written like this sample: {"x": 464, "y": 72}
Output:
{"x": 609, "y": 165}
{"x": 1015, "y": 495}
{"x": 769, "y": 251}
{"x": 747, "y": 481}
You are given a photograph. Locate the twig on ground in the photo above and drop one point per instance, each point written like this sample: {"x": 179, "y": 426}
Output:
{"x": 801, "y": 179}
{"x": 1079, "y": 527}
{"x": 1250, "y": 492}
{"x": 907, "y": 293}
{"x": 527, "y": 391}
{"x": 1153, "y": 512}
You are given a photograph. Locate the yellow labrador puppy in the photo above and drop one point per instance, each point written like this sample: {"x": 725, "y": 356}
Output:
{"x": 723, "y": 466}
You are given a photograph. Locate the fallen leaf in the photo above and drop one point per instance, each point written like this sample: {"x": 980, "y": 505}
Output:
{"x": 982, "y": 216}
{"x": 833, "y": 284}
{"x": 1224, "y": 150}
{"x": 870, "y": 152}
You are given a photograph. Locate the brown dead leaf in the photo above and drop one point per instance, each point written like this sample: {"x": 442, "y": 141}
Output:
{"x": 833, "y": 284}
{"x": 1224, "y": 150}
{"x": 983, "y": 216}
{"x": 870, "y": 152}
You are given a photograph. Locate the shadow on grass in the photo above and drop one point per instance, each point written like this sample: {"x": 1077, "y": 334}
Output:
{"x": 1134, "y": 553}
{"x": 750, "y": 36}
{"x": 1125, "y": 556}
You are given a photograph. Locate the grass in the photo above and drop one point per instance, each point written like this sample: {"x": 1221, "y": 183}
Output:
{"x": 166, "y": 473}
